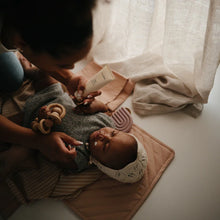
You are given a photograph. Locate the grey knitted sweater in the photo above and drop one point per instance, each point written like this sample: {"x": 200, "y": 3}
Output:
{"x": 76, "y": 126}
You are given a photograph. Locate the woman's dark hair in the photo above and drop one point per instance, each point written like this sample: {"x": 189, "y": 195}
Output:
{"x": 53, "y": 26}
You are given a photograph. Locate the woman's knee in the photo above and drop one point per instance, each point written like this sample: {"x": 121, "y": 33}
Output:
{"x": 11, "y": 72}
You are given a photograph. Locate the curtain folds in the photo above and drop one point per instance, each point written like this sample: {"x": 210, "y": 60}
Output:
{"x": 171, "y": 49}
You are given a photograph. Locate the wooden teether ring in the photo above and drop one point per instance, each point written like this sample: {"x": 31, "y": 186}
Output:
{"x": 42, "y": 128}
{"x": 55, "y": 117}
{"x": 56, "y": 112}
{"x": 56, "y": 107}
{"x": 50, "y": 115}
{"x": 35, "y": 125}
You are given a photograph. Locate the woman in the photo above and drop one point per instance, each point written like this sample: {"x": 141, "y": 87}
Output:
{"x": 52, "y": 35}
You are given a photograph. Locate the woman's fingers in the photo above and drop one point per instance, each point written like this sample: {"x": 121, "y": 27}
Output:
{"x": 70, "y": 141}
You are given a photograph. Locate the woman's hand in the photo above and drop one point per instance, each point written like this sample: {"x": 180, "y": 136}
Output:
{"x": 79, "y": 100}
{"x": 54, "y": 146}
{"x": 76, "y": 83}
{"x": 58, "y": 148}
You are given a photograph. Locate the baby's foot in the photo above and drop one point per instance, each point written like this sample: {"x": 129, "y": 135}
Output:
{"x": 30, "y": 71}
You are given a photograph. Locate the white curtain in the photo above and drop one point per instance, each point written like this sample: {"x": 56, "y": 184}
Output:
{"x": 170, "y": 48}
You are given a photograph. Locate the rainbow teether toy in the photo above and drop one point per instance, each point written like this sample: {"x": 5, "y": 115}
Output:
{"x": 122, "y": 119}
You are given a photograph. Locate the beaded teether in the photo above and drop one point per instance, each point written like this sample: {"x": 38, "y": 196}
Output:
{"x": 122, "y": 119}
{"x": 47, "y": 117}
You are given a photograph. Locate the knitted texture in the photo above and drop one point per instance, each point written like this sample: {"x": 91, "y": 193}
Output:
{"x": 76, "y": 126}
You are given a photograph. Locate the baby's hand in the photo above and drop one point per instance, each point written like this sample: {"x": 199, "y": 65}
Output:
{"x": 80, "y": 100}
{"x": 91, "y": 108}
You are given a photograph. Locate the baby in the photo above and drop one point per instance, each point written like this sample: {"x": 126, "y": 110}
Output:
{"x": 118, "y": 154}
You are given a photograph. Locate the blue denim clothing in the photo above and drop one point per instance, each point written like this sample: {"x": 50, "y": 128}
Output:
{"x": 11, "y": 72}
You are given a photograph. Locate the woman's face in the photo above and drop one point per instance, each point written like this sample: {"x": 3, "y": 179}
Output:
{"x": 109, "y": 144}
{"x": 47, "y": 63}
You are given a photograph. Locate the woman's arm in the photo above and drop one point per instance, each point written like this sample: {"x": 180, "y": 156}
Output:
{"x": 13, "y": 133}
{"x": 72, "y": 81}
{"x": 52, "y": 146}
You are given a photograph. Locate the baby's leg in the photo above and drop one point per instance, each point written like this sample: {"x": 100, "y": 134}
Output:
{"x": 16, "y": 158}
{"x": 10, "y": 68}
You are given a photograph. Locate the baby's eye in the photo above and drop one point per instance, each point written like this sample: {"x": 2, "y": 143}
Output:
{"x": 101, "y": 137}
{"x": 105, "y": 146}
{"x": 114, "y": 133}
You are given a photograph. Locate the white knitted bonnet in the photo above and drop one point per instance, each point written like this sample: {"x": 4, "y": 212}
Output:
{"x": 132, "y": 172}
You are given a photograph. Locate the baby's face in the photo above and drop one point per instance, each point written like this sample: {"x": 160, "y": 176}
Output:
{"x": 109, "y": 144}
